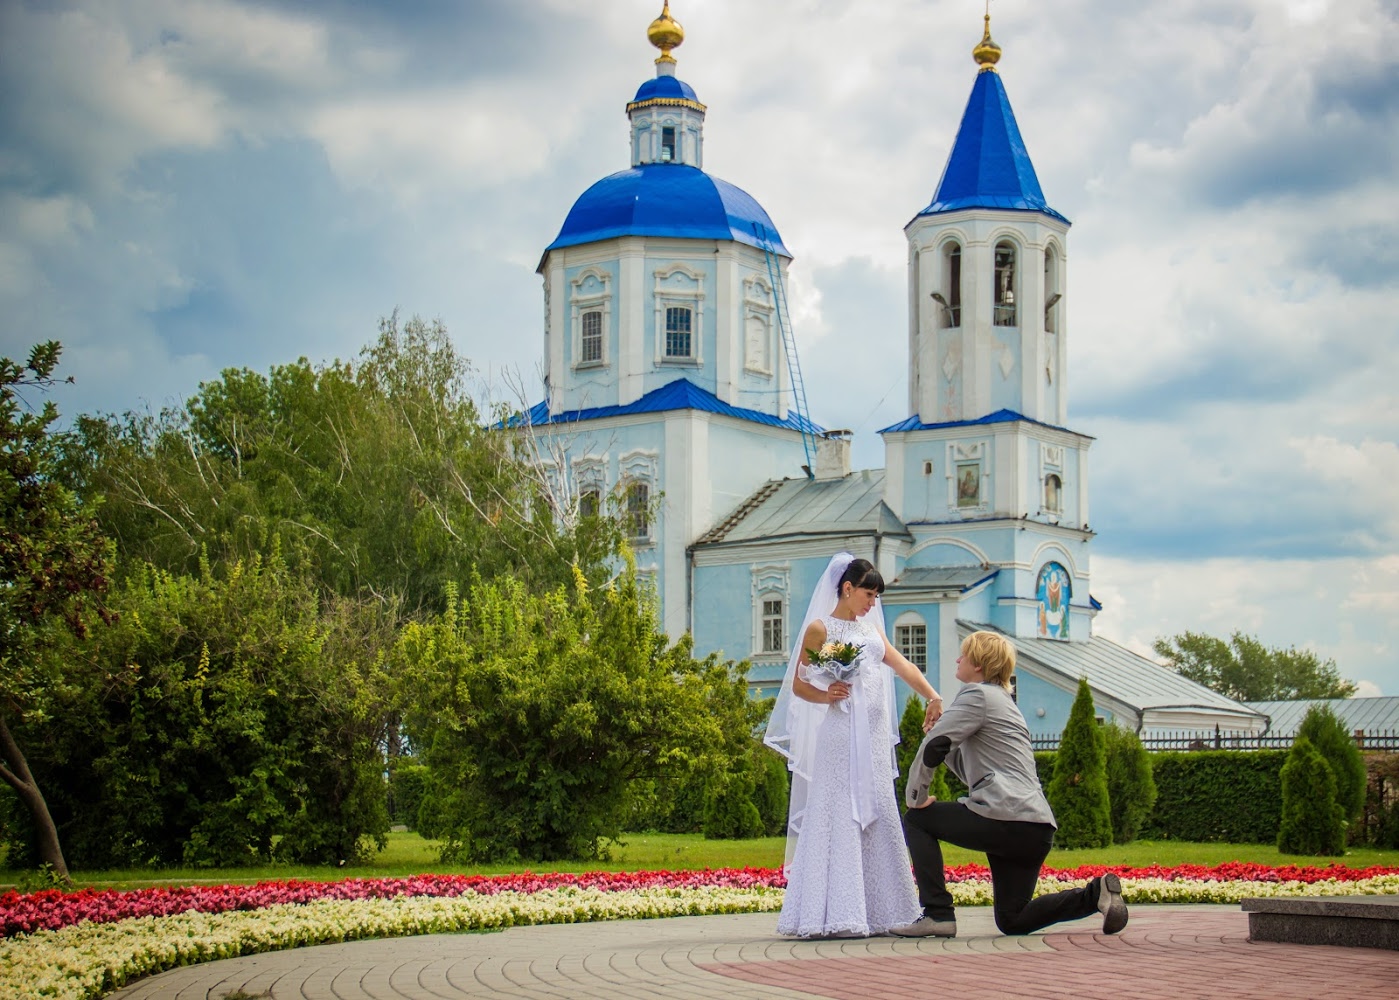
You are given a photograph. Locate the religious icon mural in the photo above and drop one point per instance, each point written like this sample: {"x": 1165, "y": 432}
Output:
{"x": 1053, "y": 589}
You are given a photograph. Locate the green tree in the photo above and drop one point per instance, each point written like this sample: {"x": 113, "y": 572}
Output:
{"x": 1078, "y": 792}
{"x": 1131, "y": 787}
{"x": 1337, "y": 747}
{"x": 910, "y": 737}
{"x": 382, "y": 478}
{"x": 539, "y": 714}
{"x": 1312, "y": 820}
{"x": 54, "y": 564}
{"x": 221, "y": 715}
{"x": 1244, "y": 669}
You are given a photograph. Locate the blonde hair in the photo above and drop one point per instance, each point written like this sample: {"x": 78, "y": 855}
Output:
{"x": 994, "y": 654}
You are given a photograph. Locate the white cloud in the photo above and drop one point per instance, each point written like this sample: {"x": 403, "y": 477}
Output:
{"x": 1326, "y": 605}
{"x": 189, "y": 184}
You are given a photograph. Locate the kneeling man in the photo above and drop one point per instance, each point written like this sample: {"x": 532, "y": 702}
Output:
{"x": 984, "y": 740}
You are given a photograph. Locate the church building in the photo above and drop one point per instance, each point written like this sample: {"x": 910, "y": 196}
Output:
{"x": 673, "y": 387}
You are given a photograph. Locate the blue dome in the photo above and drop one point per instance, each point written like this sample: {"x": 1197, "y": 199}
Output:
{"x": 665, "y": 86}
{"x": 666, "y": 199}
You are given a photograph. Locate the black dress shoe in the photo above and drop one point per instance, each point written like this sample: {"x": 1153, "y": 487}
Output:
{"x": 1110, "y": 904}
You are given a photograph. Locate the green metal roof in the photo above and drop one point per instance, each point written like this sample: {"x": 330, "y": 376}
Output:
{"x": 788, "y": 508}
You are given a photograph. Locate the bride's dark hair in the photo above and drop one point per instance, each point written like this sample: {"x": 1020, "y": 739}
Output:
{"x": 862, "y": 575}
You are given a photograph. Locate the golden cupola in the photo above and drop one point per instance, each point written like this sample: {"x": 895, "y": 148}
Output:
{"x": 665, "y": 33}
{"x": 987, "y": 53}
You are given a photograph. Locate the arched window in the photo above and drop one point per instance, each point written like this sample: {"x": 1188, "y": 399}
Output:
{"x": 1052, "y": 295}
{"x": 952, "y": 284}
{"x": 1003, "y": 305}
{"x": 667, "y": 144}
{"x": 774, "y": 639}
{"x": 911, "y": 639}
{"x": 1053, "y": 494}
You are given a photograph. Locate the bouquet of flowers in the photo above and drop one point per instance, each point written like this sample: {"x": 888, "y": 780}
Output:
{"x": 834, "y": 661}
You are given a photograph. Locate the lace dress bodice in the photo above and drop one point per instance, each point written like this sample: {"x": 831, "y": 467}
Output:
{"x": 873, "y": 674}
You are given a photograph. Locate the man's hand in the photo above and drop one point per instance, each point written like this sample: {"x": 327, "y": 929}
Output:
{"x": 932, "y": 713}
{"x": 925, "y": 803}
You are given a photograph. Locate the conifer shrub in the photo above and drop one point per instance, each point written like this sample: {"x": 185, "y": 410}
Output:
{"x": 1312, "y": 819}
{"x": 729, "y": 812}
{"x": 772, "y": 790}
{"x": 1328, "y": 735}
{"x": 1131, "y": 787}
{"x": 1231, "y": 796}
{"x": 910, "y": 738}
{"x": 1078, "y": 793}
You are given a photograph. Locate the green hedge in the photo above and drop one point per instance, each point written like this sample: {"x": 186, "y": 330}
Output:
{"x": 1234, "y": 796}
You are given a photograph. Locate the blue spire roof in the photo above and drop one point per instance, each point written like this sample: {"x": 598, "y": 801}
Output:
{"x": 989, "y": 167}
{"x": 666, "y": 199}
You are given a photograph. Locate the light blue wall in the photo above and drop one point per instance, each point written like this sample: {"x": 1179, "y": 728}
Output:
{"x": 1034, "y": 694}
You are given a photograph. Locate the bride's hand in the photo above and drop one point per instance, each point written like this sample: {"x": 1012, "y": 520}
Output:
{"x": 838, "y": 691}
{"x": 933, "y": 712}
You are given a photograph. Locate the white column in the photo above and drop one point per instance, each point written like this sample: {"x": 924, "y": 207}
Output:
{"x": 633, "y": 295}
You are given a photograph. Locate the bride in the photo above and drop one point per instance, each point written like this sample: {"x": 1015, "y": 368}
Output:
{"x": 848, "y": 870}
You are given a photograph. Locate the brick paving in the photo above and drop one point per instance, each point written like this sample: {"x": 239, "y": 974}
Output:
{"x": 1166, "y": 952}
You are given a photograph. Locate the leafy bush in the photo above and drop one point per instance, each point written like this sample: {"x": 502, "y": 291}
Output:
{"x": 1312, "y": 820}
{"x": 1328, "y": 735}
{"x": 538, "y": 713}
{"x": 407, "y": 783}
{"x": 1078, "y": 792}
{"x": 1131, "y": 788}
{"x": 219, "y": 715}
{"x": 1232, "y": 796}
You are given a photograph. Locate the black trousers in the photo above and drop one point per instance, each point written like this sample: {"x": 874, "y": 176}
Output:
{"x": 1014, "y": 851}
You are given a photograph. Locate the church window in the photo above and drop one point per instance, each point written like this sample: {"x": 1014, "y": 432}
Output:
{"x": 1003, "y": 309}
{"x": 912, "y": 642}
{"x": 952, "y": 307}
{"x": 1051, "y": 291}
{"x": 590, "y": 502}
{"x": 1053, "y": 494}
{"x": 667, "y": 144}
{"x": 773, "y": 639}
{"x": 592, "y": 337}
{"x": 639, "y": 510}
{"x": 677, "y": 332}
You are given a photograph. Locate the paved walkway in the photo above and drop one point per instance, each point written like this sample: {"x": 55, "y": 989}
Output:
{"x": 1166, "y": 953}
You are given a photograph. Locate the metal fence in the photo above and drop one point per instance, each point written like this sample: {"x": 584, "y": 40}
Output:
{"x": 1218, "y": 739}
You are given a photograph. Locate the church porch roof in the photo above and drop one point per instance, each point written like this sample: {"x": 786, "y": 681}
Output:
{"x": 792, "y": 508}
{"x": 1120, "y": 674}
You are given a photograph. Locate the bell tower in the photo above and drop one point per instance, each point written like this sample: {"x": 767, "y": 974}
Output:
{"x": 984, "y": 471}
{"x": 987, "y": 274}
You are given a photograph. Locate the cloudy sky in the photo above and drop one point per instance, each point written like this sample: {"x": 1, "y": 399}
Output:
{"x": 188, "y": 185}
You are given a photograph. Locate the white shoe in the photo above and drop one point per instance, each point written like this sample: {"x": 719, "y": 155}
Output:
{"x": 926, "y": 927}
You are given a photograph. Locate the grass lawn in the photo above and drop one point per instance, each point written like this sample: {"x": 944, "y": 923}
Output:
{"x": 410, "y": 854}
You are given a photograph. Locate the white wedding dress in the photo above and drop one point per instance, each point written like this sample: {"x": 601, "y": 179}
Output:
{"x": 843, "y": 880}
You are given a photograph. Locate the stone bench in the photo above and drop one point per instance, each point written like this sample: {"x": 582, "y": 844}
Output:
{"x": 1353, "y": 921}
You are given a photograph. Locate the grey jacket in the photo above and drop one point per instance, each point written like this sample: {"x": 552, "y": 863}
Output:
{"x": 985, "y": 742}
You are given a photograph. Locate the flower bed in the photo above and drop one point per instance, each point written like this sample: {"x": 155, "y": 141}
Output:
{"x": 82, "y": 945}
